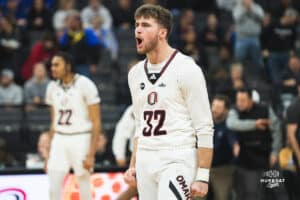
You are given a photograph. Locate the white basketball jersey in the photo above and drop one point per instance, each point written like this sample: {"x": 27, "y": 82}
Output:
{"x": 170, "y": 107}
{"x": 71, "y": 104}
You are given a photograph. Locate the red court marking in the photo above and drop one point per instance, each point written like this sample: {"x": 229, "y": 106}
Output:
{"x": 116, "y": 187}
{"x": 98, "y": 182}
{"x": 105, "y": 197}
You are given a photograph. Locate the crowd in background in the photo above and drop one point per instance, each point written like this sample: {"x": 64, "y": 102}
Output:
{"x": 248, "y": 50}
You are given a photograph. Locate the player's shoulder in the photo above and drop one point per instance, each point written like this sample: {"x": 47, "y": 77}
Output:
{"x": 186, "y": 64}
{"x": 52, "y": 84}
{"x": 83, "y": 80}
{"x": 137, "y": 68}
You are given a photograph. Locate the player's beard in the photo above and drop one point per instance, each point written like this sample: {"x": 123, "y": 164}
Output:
{"x": 150, "y": 46}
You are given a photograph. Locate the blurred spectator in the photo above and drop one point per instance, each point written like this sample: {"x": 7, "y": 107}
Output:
{"x": 293, "y": 136}
{"x": 39, "y": 17}
{"x": 187, "y": 19}
{"x": 124, "y": 133}
{"x": 59, "y": 17}
{"x": 106, "y": 37}
{"x": 219, "y": 72}
{"x": 10, "y": 93}
{"x": 154, "y": 2}
{"x": 225, "y": 148}
{"x": 123, "y": 14}
{"x": 10, "y": 42}
{"x": 225, "y": 57}
{"x": 213, "y": 33}
{"x": 95, "y": 7}
{"x": 235, "y": 82}
{"x": 289, "y": 81}
{"x": 278, "y": 41}
{"x": 40, "y": 52}
{"x": 82, "y": 44}
{"x": 219, "y": 82}
{"x": 37, "y": 160}
{"x": 35, "y": 88}
{"x": 123, "y": 93}
{"x": 15, "y": 12}
{"x": 202, "y": 6}
{"x": 248, "y": 16}
{"x": 227, "y": 5}
{"x": 6, "y": 159}
{"x": 237, "y": 76}
{"x": 190, "y": 46}
{"x": 259, "y": 135}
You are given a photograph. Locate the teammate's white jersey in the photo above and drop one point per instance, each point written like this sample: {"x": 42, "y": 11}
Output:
{"x": 171, "y": 107}
{"x": 124, "y": 132}
{"x": 71, "y": 104}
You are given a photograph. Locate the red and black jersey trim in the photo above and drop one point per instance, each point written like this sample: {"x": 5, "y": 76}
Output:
{"x": 162, "y": 70}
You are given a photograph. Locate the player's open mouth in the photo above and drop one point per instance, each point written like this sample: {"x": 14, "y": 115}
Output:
{"x": 139, "y": 41}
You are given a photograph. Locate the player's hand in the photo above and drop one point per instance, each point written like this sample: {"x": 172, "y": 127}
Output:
{"x": 89, "y": 162}
{"x": 121, "y": 162}
{"x": 262, "y": 124}
{"x": 199, "y": 189}
{"x": 130, "y": 177}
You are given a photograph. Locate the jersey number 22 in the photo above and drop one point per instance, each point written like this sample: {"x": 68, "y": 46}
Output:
{"x": 64, "y": 117}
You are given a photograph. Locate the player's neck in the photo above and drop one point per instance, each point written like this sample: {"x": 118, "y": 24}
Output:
{"x": 160, "y": 53}
{"x": 68, "y": 78}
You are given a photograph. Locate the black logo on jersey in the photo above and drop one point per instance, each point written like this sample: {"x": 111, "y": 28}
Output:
{"x": 153, "y": 77}
{"x": 162, "y": 85}
{"x": 142, "y": 86}
{"x": 152, "y": 98}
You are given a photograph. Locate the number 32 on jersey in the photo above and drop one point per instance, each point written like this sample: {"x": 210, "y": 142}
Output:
{"x": 151, "y": 115}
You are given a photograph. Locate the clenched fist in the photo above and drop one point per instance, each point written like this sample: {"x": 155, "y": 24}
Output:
{"x": 199, "y": 189}
{"x": 130, "y": 177}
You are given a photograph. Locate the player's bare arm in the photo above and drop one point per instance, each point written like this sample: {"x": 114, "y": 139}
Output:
{"x": 196, "y": 97}
{"x": 95, "y": 116}
{"x": 51, "y": 131}
{"x": 130, "y": 174}
{"x": 51, "y": 134}
{"x": 200, "y": 186}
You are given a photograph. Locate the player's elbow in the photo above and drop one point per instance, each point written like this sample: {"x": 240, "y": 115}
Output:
{"x": 205, "y": 137}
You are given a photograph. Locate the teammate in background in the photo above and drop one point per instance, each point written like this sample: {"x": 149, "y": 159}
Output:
{"x": 75, "y": 126}
{"x": 124, "y": 132}
{"x": 173, "y": 142}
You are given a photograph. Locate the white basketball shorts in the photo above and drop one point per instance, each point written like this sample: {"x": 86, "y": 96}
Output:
{"x": 165, "y": 174}
{"x": 69, "y": 151}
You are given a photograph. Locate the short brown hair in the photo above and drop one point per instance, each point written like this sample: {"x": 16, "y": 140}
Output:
{"x": 223, "y": 98}
{"x": 162, "y": 15}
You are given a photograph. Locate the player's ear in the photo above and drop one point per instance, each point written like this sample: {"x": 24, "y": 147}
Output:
{"x": 68, "y": 66}
{"x": 163, "y": 33}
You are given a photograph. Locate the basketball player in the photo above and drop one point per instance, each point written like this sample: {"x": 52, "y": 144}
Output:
{"x": 174, "y": 129}
{"x": 75, "y": 126}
